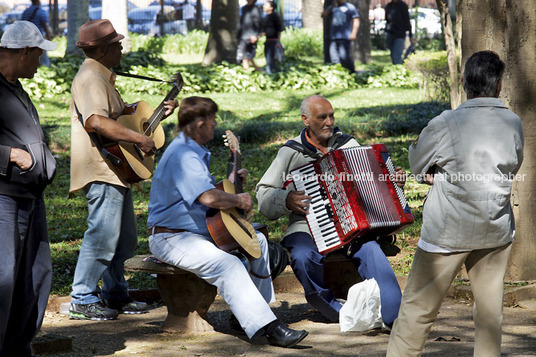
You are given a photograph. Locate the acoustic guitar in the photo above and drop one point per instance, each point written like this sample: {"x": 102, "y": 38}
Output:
{"x": 140, "y": 117}
{"x": 232, "y": 229}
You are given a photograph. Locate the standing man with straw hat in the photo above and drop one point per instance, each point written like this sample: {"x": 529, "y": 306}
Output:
{"x": 111, "y": 236}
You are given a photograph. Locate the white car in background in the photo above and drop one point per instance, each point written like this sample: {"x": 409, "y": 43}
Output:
{"x": 427, "y": 19}
{"x": 148, "y": 20}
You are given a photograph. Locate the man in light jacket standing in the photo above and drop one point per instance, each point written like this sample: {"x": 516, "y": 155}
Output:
{"x": 470, "y": 157}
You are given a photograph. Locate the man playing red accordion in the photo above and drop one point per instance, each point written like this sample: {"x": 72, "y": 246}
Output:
{"x": 319, "y": 137}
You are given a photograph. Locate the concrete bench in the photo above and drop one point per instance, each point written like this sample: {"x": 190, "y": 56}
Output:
{"x": 186, "y": 296}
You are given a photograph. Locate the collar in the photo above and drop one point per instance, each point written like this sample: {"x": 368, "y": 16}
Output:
{"x": 482, "y": 102}
{"x": 303, "y": 137}
{"x": 101, "y": 69}
{"x": 198, "y": 149}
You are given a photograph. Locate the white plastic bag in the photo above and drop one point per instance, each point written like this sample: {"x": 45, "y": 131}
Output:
{"x": 362, "y": 310}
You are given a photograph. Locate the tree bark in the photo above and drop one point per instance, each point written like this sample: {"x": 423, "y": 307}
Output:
{"x": 450, "y": 44}
{"x": 221, "y": 45}
{"x": 116, "y": 12}
{"x": 362, "y": 42}
{"x": 327, "y": 32}
{"x": 77, "y": 15}
{"x": 312, "y": 14}
{"x": 508, "y": 27}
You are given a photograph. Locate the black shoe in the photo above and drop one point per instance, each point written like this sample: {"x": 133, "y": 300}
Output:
{"x": 283, "y": 336}
{"x": 96, "y": 311}
{"x": 128, "y": 306}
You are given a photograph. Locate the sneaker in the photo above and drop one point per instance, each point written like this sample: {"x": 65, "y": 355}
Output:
{"x": 96, "y": 311}
{"x": 128, "y": 306}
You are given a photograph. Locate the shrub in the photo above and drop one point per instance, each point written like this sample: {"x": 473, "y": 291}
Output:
{"x": 435, "y": 72}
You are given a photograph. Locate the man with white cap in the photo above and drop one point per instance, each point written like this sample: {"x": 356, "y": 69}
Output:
{"x": 111, "y": 236}
{"x": 26, "y": 168}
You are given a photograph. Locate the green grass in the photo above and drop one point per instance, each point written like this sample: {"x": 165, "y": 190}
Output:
{"x": 275, "y": 114}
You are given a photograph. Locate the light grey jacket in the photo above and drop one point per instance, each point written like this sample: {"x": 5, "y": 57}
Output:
{"x": 272, "y": 196}
{"x": 474, "y": 151}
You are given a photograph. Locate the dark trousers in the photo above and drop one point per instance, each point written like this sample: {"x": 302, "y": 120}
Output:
{"x": 25, "y": 273}
{"x": 340, "y": 51}
{"x": 269, "y": 53}
{"x": 371, "y": 262}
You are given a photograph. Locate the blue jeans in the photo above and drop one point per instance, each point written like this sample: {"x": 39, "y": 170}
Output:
{"x": 340, "y": 51}
{"x": 396, "y": 46}
{"x": 371, "y": 262}
{"x": 269, "y": 53}
{"x": 110, "y": 239}
{"x": 25, "y": 272}
{"x": 247, "y": 296}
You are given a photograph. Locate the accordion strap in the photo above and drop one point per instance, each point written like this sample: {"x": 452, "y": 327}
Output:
{"x": 293, "y": 144}
{"x": 341, "y": 140}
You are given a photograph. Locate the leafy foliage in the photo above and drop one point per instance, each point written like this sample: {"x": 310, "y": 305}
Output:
{"x": 435, "y": 73}
{"x": 297, "y": 73}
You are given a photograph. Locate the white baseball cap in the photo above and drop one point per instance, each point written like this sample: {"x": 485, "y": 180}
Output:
{"x": 21, "y": 34}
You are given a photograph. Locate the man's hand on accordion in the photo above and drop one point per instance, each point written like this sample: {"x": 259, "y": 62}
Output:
{"x": 399, "y": 176}
{"x": 298, "y": 201}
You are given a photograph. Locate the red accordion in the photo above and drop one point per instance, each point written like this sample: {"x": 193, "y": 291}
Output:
{"x": 352, "y": 195}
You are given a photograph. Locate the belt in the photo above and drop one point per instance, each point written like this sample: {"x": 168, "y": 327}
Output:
{"x": 156, "y": 230}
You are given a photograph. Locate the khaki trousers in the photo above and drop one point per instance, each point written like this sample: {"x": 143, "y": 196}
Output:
{"x": 429, "y": 279}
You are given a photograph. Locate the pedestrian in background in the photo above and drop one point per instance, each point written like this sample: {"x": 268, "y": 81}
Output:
{"x": 39, "y": 17}
{"x": 396, "y": 26}
{"x": 272, "y": 28}
{"x": 344, "y": 27}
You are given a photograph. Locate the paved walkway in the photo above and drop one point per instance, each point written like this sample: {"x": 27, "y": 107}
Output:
{"x": 140, "y": 335}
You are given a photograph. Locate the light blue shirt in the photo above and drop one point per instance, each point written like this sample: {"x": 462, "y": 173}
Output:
{"x": 182, "y": 175}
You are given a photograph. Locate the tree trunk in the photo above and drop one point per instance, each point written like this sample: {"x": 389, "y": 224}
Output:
{"x": 116, "y": 12}
{"x": 327, "y": 32}
{"x": 312, "y": 14}
{"x": 362, "y": 42}
{"x": 450, "y": 44}
{"x": 77, "y": 15}
{"x": 221, "y": 45}
{"x": 508, "y": 27}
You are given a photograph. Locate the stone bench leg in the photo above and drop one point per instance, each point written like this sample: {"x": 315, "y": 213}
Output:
{"x": 188, "y": 299}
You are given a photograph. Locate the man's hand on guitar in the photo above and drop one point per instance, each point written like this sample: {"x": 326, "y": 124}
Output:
{"x": 298, "y": 201}
{"x": 146, "y": 144}
{"x": 170, "y": 106}
{"x": 245, "y": 202}
{"x": 242, "y": 175}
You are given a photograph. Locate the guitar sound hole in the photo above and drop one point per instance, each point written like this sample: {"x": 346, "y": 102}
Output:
{"x": 146, "y": 129}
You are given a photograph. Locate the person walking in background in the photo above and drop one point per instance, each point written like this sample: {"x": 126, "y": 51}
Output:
{"x": 249, "y": 30}
{"x": 26, "y": 168}
{"x": 272, "y": 28}
{"x": 344, "y": 27}
{"x": 396, "y": 26}
{"x": 188, "y": 14}
{"x": 39, "y": 17}
{"x": 467, "y": 216}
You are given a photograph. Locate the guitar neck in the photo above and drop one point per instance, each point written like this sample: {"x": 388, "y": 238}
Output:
{"x": 235, "y": 165}
{"x": 160, "y": 111}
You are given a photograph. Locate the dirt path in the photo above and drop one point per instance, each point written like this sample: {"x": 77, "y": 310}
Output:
{"x": 140, "y": 335}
